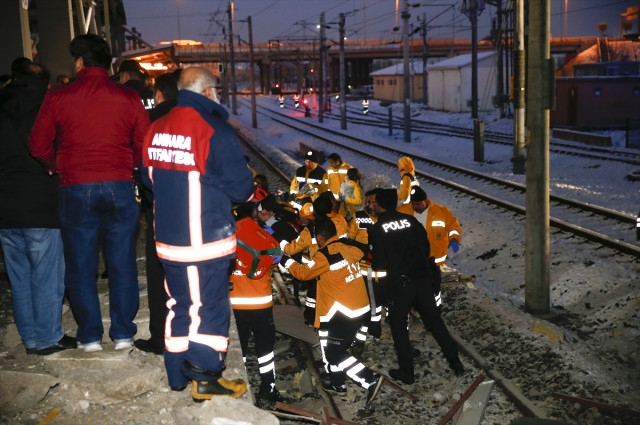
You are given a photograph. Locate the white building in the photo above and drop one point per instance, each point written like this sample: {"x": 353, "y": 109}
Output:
{"x": 448, "y": 83}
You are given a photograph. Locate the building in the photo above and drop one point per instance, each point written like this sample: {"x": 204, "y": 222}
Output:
{"x": 450, "y": 83}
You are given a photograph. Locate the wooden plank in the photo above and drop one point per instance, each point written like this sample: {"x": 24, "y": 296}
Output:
{"x": 475, "y": 406}
{"x": 289, "y": 321}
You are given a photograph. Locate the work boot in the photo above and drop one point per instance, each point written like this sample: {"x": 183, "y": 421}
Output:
{"x": 456, "y": 366}
{"x": 401, "y": 375}
{"x": 206, "y": 390}
{"x": 339, "y": 390}
{"x": 374, "y": 389}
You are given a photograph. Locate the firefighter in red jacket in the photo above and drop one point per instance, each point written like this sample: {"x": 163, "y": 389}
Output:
{"x": 252, "y": 303}
{"x": 192, "y": 154}
{"x": 342, "y": 307}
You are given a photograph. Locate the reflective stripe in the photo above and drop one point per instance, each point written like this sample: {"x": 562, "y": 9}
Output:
{"x": 195, "y": 208}
{"x": 454, "y": 233}
{"x": 267, "y": 368}
{"x": 251, "y": 300}
{"x": 176, "y": 344}
{"x": 337, "y": 307}
{"x": 438, "y": 298}
{"x": 349, "y": 361}
{"x": 441, "y": 259}
{"x": 203, "y": 252}
{"x": 216, "y": 342}
{"x": 339, "y": 265}
{"x": 308, "y": 180}
{"x": 266, "y": 358}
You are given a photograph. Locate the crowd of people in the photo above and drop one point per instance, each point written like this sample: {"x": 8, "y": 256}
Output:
{"x": 81, "y": 160}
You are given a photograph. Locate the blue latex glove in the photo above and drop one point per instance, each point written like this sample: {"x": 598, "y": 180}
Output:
{"x": 342, "y": 198}
{"x": 453, "y": 244}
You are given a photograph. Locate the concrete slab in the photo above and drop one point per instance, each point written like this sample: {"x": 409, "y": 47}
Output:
{"x": 474, "y": 407}
{"x": 21, "y": 391}
{"x": 289, "y": 321}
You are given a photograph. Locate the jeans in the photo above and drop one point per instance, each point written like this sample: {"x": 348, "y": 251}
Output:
{"x": 106, "y": 212}
{"x": 35, "y": 265}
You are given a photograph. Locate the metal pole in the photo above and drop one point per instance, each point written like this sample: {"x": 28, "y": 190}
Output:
{"x": 252, "y": 81}
{"x": 234, "y": 88}
{"x": 407, "y": 81}
{"x": 537, "y": 269}
{"x": 343, "y": 94}
{"x": 473, "y": 8}
{"x": 425, "y": 57}
{"x": 519, "y": 93}
{"x": 321, "y": 72}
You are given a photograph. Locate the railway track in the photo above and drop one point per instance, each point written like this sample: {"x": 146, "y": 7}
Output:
{"x": 338, "y": 410}
{"x": 594, "y": 223}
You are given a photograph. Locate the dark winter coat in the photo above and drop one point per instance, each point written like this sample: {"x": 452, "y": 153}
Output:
{"x": 28, "y": 193}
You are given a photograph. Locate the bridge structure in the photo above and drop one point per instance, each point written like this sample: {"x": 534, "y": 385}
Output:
{"x": 285, "y": 62}
{"x": 48, "y": 32}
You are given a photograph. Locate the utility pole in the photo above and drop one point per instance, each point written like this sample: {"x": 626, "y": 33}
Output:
{"x": 519, "y": 94}
{"x": 343, "y": 94}
{"x": 252, "y": 81}
{"x": 407, "y": 81}
{"x": 425, "y": 57}
{"x": 321, "y": 71}
{"x": 234, "y": 88}
{"x": 539, "y": 75}
{"x": 473, "y": 9}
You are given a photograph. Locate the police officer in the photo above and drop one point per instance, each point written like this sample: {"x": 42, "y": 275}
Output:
{"x": 400, "y": 246}
{"x": 131, "y": 74}
{"x": 359, "y": 231}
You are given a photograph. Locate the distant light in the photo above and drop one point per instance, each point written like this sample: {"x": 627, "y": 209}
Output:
{"x": 183, "y": 42}
{"x": 154, "y": 66}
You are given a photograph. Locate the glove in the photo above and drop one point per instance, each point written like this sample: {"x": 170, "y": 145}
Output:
{"x": 286, "y": 261}
{"x": 342, "y": 198}
{"x": 453, "y": 244}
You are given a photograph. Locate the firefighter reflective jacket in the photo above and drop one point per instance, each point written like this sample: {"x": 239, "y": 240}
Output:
{"x": 442, "y": 226}
{"x": 192, "y": 154}
{"x": 341, "y": 287}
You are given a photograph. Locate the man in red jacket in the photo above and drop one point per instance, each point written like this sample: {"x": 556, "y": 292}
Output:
{"x": 90, "y": 133}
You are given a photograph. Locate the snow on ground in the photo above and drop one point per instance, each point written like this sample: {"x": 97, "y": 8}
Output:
{"x": 587, "y": 282}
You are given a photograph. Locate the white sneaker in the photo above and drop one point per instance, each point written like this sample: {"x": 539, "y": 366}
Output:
{"x": 123, "y": 344}
{"x": 90, "y": 347}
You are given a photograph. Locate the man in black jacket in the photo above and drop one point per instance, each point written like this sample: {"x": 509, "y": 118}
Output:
{"x": 165, "y": 96}
{"x": 400, "y": 246}
{"x": 29, "y": 227}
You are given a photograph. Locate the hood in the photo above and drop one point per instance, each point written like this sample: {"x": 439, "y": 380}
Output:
{"x": 406, "y": 165}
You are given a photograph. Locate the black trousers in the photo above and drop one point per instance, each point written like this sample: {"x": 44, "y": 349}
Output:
{"x": 156, "y": 294}
{"x": 336, "y": 336}
{"x": 260, "y": 322}
{"x": 403, "y": 294}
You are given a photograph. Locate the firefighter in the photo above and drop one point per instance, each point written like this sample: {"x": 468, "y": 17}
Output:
{"x": 323, "y": 207}
{"x": 443, "y": 228}
{"x": 310, "y": 179}
{"x": 407, "y": 182}
{"x": 400, "y": 246}
{"x": 336, "y": 173}
{"x": 252, "y": 303}
{"x": 343, "y": 306}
